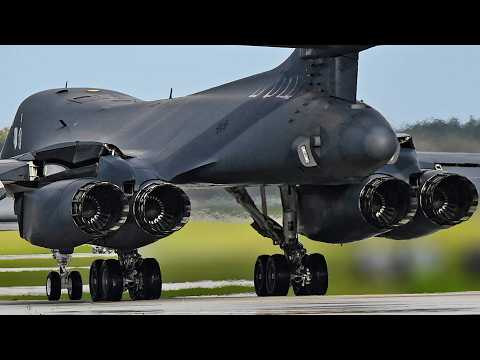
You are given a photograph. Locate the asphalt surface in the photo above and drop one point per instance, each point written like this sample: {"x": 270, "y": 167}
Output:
{"x": 246, "y": 304}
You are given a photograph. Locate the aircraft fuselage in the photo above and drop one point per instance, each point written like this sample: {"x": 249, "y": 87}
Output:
{"x": 265, "y": 129}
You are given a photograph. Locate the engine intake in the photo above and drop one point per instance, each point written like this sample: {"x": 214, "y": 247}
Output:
{"x": 99, "y": 208}
{"x": 161, "y": 209}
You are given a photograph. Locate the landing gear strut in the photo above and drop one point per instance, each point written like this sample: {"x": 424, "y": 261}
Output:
{"x": 273, "y": 275}
{"x": 64, "y": 279}
{"x": 110, "y": 278}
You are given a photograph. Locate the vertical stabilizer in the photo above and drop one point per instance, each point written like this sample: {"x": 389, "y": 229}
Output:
{"x": 333, "y": 71}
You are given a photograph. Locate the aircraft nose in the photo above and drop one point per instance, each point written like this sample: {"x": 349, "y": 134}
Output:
{"x": 368, "y": 142}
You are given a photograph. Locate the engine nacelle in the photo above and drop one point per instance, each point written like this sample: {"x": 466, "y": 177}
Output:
{"x": 157, "y": 210}
{"x": 445, "y": 200}
{"x": 69, "y": 213}
{"x": 341, "y": 214}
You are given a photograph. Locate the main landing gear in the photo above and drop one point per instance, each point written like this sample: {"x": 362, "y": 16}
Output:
{"x": 110, "y": 278}
{"x": 64, "y": 279}
{"x": 273, "y": 275}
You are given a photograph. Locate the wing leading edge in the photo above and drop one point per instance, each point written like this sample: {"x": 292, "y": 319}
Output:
{"x": 466, "y": 164}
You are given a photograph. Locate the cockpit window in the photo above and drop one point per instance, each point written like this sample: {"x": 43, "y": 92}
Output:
{"x": 101, "y": 96}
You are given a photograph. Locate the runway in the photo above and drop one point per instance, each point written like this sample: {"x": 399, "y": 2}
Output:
{"x": 249, "y": 304}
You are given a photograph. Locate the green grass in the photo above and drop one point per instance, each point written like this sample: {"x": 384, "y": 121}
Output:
{"x": 228, "y": 290}
{"x": 227, "y": 251}
{"x": 219, "y": 251}
{"x": 30, "y": 278}
{"x": 12, "y": 244}
{"x": 24, "y": 263}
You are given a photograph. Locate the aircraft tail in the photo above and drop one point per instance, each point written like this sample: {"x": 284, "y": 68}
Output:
{"x": 331, "y": 70}
{"x": 327, "y": 51}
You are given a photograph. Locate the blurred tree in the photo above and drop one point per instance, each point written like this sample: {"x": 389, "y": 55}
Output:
{"x": 445, "y": 135}
{"x": 3, "y": 136}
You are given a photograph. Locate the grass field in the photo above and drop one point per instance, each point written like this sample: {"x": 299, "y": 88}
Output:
{"x": 165, "y": 294}
{"x": 219, "y": 251}
{"x": 227, "y": 251}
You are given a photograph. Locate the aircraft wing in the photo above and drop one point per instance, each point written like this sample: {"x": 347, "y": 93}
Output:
{"x": 466, "y": 164}
{"x": 15, "y": 170}
{"x": 21, "y": 171}
{"x": 449, "y": 159}
{"x": 8, "y": 219}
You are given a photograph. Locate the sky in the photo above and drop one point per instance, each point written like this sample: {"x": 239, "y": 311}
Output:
{"x": 405, "y": 83}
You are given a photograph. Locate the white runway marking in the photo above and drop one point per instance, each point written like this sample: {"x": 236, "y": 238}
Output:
{"x": 239, "y": 295}
{"x": 23, "y": 291}
{"x": 49, "y": 256}
{"x": 10, "y": 270}
{"x": 40, "y": 290}
{"x": 206, "y": 284}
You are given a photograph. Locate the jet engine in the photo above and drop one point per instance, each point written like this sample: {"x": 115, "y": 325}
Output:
{"x": 346, "y": 213}
{"x": 84, "y": 209}
{"x": 157, "y": 210}
{"x": 161, "y": 209}
{"x": 445, "y": 200}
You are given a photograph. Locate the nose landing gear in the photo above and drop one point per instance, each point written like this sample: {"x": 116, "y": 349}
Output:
{"x": 273, "y": 275}
{"x": 63, "y": 279}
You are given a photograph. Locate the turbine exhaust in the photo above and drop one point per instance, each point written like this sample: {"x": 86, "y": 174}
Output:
{"x": 99, "y": 208}
{"x": 448, "y": 199}
{"x": 161, "y": 209}
{"x": 386, "y": 202}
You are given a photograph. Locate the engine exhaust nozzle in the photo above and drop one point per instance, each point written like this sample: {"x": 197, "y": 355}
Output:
{"x": 386, "y": 202}
{"x": 161, "y": 209}
{"x": 448, "y": 199}
{"x": 99, "y": 208}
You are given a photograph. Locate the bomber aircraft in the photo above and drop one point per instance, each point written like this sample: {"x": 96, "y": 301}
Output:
{"x": 94, "y": 166}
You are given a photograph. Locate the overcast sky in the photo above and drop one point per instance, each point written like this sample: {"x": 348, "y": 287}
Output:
{"x": 406, "y": 83}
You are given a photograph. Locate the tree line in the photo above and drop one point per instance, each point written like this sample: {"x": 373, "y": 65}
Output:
{"x": 3, "y": 136}
{"x": 445, "y": 135}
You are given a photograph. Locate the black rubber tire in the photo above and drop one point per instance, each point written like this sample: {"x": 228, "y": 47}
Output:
{"x": 298, "y": 289}
{"x": 260, "y": 275}
{"x": 319, "y": 270}
{"x": 53, "y": 286}
{"x": 95, "y": 280}
{"x": 278, "y": 276}
{"x": 75, "y": 291}
{"x": 112, "y": 280}
{"x": 136, "y": 294}
{"x": 152, "y": 279}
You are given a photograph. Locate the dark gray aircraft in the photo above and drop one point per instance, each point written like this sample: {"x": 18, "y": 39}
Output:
{"x": 93, "y": 166}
